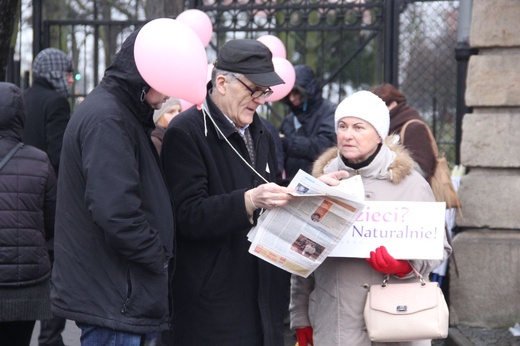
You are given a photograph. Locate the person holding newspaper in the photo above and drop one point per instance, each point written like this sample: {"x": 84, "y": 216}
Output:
{"x": 339, "y": 286}
{"x": 220, "y": 164}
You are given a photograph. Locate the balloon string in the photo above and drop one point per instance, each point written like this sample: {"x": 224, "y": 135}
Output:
{"x": 206, "y": 113}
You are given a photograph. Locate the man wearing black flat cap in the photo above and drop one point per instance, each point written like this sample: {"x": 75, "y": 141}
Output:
{"x": 220, "y": 164}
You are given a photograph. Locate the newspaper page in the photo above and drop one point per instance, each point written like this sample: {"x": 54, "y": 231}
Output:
{"x": 299, "y": 236}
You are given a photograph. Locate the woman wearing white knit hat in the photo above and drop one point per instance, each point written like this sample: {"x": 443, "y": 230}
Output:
{"x": 162, "y": 117}
{"x": 340, "y": 285}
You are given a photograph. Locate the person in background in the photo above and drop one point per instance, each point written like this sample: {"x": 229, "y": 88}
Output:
{"x": 114, "y": 233}
{"x": 27, "y": 207}
{"x": 278, "y": 148}
{"x": 48, "y": 109}
{"x": 308, "y": 130}
{"x": 339, "y": 286}
{"x": 416, "y": 140}
{"x": 48, "y": 112}
{"x": 161, "y": 118}
{"x": 220, "y": 163}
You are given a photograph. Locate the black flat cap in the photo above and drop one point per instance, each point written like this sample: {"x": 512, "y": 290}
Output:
{"x": 251, "y": 58}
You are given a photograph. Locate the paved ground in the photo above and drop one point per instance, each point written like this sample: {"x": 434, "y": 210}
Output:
{"x": 467, "y": 336}
{"x": 72, "y": 333}
{"x": 460, "y": 336}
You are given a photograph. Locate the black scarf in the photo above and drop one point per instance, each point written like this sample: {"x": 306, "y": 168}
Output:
{"x": 356, "y": 166}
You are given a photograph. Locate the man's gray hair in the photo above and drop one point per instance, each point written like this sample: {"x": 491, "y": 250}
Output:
{"x": 217, "y": 72}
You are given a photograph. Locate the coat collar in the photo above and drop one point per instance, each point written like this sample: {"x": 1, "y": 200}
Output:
{"x": 393, "y": 163}
{"x": 210, "y": 109}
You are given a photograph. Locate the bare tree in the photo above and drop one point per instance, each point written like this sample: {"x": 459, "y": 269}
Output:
{"x": 164, "y": 8}
{"x": 8, "y": 10}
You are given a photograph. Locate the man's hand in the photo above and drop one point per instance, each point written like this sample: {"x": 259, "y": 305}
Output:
{"x": 267, "y": 196}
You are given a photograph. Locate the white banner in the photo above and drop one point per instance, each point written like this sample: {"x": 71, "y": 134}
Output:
{"x": 408, "y": 230}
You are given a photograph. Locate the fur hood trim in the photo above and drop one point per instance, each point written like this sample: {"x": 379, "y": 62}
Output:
{"x": 402, "y": 165}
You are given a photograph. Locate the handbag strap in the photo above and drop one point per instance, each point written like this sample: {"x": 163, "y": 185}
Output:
{"x": 433, "y": 142}
{"x": 417, "y": 275}
{"x": 10, "y": 154}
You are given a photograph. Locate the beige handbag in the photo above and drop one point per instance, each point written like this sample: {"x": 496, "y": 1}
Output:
{"x": 406, "y": 311}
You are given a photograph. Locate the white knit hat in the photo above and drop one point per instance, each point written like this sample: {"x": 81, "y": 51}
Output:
{"x": 367, "y": 106}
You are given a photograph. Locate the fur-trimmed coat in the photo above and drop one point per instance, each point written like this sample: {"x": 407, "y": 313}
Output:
{"x": 332, "y": 299}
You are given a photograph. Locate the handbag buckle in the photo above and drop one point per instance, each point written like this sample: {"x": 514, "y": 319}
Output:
{"x": 401, "y": 308}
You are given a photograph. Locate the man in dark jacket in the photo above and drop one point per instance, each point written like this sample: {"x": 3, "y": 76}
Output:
{"x": 114, "y": 219}
{"x": 27, "y": 207}
{"x": 48, "y": 112}
{"x": 217, "y": 162}
{"x": 309, "y": 129}
{"x": 48, "y": 109}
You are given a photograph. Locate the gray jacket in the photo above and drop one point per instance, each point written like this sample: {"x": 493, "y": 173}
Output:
{"x": 332, "y": 299}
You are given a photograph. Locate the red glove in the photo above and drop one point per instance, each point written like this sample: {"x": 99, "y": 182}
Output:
{"x": 384, "y": 263}
{"x": 304, "y": 336}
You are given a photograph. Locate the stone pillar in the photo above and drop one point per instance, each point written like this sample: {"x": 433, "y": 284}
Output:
{"x": 487, "y": 293}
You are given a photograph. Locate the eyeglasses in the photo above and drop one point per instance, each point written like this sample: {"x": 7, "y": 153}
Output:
{"x": 257, "y": 93}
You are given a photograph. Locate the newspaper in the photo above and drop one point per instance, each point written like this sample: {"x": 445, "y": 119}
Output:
{"x": 300, "y": 236}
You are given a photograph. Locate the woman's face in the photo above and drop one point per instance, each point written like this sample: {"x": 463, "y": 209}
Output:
{"x": 357, "y": 139}
{"x": 171, "y": 113}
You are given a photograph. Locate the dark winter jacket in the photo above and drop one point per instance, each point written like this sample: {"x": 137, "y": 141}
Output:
{"x": 47, "y": 116}
{"x": 223, "y": 295}
{"x": 114, "y": 220}
{"x": 27, "y": 200}
{"x": 309, "y": 129}
{"x": 416, "y": 138}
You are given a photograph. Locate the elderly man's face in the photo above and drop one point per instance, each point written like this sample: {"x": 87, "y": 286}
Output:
{"x": 155, "y": 99}
{"x": 236, "y": 100}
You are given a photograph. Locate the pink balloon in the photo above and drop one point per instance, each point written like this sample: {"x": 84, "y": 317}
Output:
{"x": 185, "y": 104}
{"x": 275, "y": 45}
{"x": 199, "y": 22}
{"x": 175, "y": 67}
{"x": 285, "y": 70}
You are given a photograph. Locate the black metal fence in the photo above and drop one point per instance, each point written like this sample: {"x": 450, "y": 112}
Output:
{"x": 428, "y": 68}
{"x": 351, "y": 45}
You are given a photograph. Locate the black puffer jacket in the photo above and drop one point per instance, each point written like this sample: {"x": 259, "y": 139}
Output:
{"x": 114, "y": 219}
{"x": 27, "y": 199}
{"x": 309, "y": 129}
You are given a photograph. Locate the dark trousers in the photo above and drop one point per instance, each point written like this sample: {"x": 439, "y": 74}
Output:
{"x": 50, "y": 331}
{"x": 16, "y": 333}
